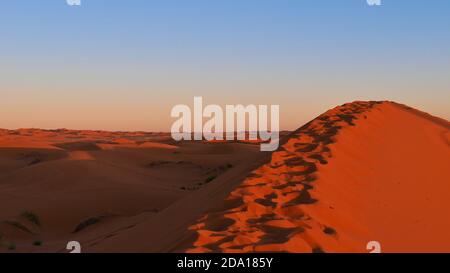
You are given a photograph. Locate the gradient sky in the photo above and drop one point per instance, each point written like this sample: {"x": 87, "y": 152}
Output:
{"x": 123, "y": 64}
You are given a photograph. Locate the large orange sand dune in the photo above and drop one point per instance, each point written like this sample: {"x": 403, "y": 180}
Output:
{"x": 358, "y": 173}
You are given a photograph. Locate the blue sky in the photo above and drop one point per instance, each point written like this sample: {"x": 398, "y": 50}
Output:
{"x": 116, "y": 64}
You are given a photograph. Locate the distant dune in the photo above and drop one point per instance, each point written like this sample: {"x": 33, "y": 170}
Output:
{"x": 89, "y": 185}
{"x": 361, "y": 172}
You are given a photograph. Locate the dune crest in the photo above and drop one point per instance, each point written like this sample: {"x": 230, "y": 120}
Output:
{"x": 339, "y": 182}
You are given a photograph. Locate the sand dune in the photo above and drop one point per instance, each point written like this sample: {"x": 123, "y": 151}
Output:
{"x": 358, "y": 173}
{"x": 363, "y": 171}
{"x": 83, "y": 185}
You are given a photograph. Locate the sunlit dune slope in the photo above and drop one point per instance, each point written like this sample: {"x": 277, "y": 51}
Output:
{"x": 361, "y": 172}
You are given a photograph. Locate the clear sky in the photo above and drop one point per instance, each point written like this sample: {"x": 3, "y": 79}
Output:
{"x": 123, "y": 64}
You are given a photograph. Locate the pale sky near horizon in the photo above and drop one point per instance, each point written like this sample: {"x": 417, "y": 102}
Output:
{"x": 123, "y": 64}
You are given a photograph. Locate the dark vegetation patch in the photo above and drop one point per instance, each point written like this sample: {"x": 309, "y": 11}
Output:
{"x": 89, "y": 222}
{"x": 212, "y": 174}
{"x": 17, "y": 225}
{"x": 32, "y": 218}
{"x": 329, "y": 230}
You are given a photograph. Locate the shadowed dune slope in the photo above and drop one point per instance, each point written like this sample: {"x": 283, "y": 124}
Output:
{"x": 361, "y": 172}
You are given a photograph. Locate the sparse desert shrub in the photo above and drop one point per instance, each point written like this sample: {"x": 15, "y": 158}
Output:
{"x": 89, "y": 222}
{"x": 86, "y": 223}
{"x": 32, "y": 217}
{"x": 210, "y": 178}
{"x": 37, "y": 243}
{"x": 17, "y": 225}
{"x": 329, "y": 231}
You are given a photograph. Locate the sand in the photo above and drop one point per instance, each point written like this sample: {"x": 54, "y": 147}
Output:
{"x": 361, "y": 172}
{"x": 83, "y": 185}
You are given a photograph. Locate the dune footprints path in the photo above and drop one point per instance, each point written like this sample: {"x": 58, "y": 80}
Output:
{"x": 265, "y": 213}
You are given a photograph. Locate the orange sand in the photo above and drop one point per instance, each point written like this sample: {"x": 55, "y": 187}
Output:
{"x": 360, "y": 172}
{"x": 364, "y": 171}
